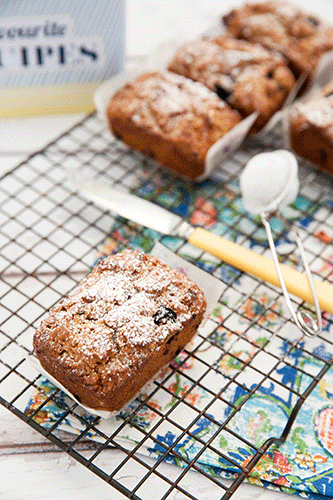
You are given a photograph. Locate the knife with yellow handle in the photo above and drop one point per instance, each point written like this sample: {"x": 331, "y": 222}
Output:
{"x": 150, "y": 215}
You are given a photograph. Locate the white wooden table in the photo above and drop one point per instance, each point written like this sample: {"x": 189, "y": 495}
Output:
{"x": 31, "y": 467}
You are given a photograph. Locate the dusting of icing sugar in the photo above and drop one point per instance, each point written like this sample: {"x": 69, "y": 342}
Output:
{"x": 142, "y": 330}
{"x": 189, "y": 57}
{"x": 95, "y": 345}
{"x": 286, "y": 10}
{"x": 265, "y": 23}
{"x": 220, "y": 55}
{"x": 237, "y": 57}
{"x": 196, "y": 90}
{"x": 316, "y": 112}
{"x": 249, "y": 73}
{"x": 225, "y": 81}
{"x": 110, "y": 317}
{"x": 169, "y": 95}
{"x": 138, "y": 305}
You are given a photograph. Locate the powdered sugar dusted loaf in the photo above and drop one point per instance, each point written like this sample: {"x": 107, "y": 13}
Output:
{"x": 311, "y": 128}
{"x": 170, "y": 118}
{"x": 246, "y": 75}
{"x": 300, "y": 36}
{"x": 124, "y": 321}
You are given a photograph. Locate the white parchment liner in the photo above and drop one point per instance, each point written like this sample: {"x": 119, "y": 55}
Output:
{"x": 211, "y": 287}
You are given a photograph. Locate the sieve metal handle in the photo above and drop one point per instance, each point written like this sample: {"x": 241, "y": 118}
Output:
{"x": 302, "y": 318}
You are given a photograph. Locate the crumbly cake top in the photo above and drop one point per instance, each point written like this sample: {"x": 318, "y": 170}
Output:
{"x": 168, "y": 94}
{"x": 175, "y": 108}
{"x": 282, "y": 18}
{"x": 225, "y": 54}
{"x": 317, "y": 111}
{"x": 223, "y": 62}
{"x": 289, "y": 29}
{"x": 127, "y": 306}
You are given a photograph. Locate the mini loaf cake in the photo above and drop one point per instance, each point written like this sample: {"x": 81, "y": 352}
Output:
{"x": 311, "y": 128}
{"x": 170, "y": 118}
{"x": 246, "y": 75}
{"x": 299, "y": 35}
{"x": 130, "y": 316}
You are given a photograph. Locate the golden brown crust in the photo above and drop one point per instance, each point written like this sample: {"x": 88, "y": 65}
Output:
{"x": 171, "y": 119}
{"x": 124, "y": 321}
{"x": 299, "y": 35}
{"x": 311, "y": 128}
{"x": 247, "y": 76}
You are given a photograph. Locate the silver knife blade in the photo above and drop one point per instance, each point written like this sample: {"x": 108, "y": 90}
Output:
{"x": 132, "y": 207}
{"x": 150, "y": 215}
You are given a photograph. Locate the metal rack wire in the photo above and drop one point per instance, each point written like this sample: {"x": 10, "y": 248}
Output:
{"x": 50, "y": 238}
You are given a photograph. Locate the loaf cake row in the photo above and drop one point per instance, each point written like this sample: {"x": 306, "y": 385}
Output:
{"x": 302, "y": 38}
{"x": 251, "y": 68}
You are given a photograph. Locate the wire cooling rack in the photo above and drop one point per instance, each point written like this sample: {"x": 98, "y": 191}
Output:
{"x": 50, "y": 238}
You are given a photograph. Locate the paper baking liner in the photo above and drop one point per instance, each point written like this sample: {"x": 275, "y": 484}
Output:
{"x": 211, "y": 287}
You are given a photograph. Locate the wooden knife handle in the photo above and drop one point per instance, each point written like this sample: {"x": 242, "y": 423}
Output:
{"x": 262, "y": 267}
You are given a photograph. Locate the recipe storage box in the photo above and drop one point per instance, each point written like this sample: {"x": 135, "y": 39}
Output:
{"x": 55, "y": 53}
